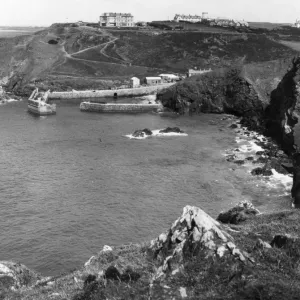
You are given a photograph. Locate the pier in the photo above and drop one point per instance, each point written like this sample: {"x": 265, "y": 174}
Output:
{"x": 130, "y": 92}
{"x": 118, "y": 107}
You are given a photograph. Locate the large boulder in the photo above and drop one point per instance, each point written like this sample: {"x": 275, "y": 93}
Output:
{"x": 241, "y": 212}
{"x": 15, "y": 275}
{"x": 171, "y": 129}
{"x": 142, "y": 133}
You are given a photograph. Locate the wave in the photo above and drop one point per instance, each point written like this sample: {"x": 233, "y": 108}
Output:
{"x": 156, "y": 133}
{"x": 247, "y": 146}
{"x": 5, "y": 101}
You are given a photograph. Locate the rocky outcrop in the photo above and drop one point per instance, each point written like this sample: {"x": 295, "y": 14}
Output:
{"x": 217, "y": 92}
{"x": 241, "y": 212}
{"x": 15, "y": 275}
{"x": 192, "y": 233}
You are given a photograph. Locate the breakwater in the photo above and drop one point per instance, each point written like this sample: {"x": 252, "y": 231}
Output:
{"x": 118, "y": 107}
{"x": 142, "y": 91}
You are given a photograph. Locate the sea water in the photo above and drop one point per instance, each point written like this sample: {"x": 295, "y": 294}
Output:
{"x": 73, "y": 182}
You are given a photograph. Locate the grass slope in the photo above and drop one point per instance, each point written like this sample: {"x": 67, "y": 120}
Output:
{"x": 274, "y": 275}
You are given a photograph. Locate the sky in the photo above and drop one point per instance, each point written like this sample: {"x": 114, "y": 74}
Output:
{"x": 47, "y": 12}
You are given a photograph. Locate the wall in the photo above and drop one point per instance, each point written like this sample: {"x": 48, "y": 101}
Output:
{"x": 108, "y": 93}
{"x": 115, "y": 108}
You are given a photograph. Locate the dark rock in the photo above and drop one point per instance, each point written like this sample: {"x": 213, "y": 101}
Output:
{"x": 260, "y": 160}
{"x": 142, "y": 133}
{"x": 231, "y": 157}
{"x": 243, "y": 211}
{"x": 261, "y": 171}
{"x": 112, "y": 273}
{"x": 130, "y": 275}
{"x": 279, "y": 115}
{"x": 288, "y": 166}
{"x": 296, "y": 180}
{"x": 233, "y": 126}
{"x": 171, "y": 129}
{"x": 274, "y": 163}
{"x": 257, "y": 171}
{"x": 52, "y": 42}
{"x": 282, "y": 241}
{"x": 89, "y": 279}
{"x": 250, "y": 158}
{"x": 260, "y": 153}
{"x": 239, "y": 162}
{"x": 237, "y": 150}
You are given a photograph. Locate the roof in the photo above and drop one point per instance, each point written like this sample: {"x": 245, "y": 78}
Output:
{"x": 153, "y": 78}
{"x": 134, "y": 78}
{"x": 168, "y": 75}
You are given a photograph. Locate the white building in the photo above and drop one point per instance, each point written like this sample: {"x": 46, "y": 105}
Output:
{"x": 297, "y": 24}
{"x": 153, "y": 80}
{"x": 188, "y": 18}
{"x": 169, "y": 77}
{"x": 192, "y": 72}
{"x": 116, "y": 20}
{"x": 134, "y": 82}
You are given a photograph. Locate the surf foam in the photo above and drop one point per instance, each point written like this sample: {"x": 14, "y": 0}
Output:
{"x": 156, "y": 133}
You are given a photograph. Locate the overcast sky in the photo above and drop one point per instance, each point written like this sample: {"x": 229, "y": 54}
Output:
{"x": 46, "y": 12}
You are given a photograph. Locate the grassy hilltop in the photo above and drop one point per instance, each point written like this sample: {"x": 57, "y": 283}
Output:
{"x": 64, "y": 56}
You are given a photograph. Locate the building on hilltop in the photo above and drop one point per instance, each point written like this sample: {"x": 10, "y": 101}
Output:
{"x": 297, "y": 24}
{"x": 169, "y": 77}
{"x": 116, "y": 20}
{"x": 187, "y": 18}
{"x": 134, "y": 82}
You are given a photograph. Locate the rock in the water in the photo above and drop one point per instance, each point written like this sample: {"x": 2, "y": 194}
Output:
{"x": 260, "y": 160}
{"x": 193, "y": 233}
{"x": 275, "y": 164}
{"x": 250, "y": 158}
{"x": 112, "y": 273}
{"x": 171, "y": 129}
{"x": 260, "y": 153}
{"x": 230, "y": 157}
{"x": 233, "y": 126}
{"x": 261, "y": 171}
{"x": 142, "y": 133}
{"x": 241, "y": 212}
{"x": 239, "y": 162}
{"x": 288, "y": 166}
{"x": 16, "y": 275}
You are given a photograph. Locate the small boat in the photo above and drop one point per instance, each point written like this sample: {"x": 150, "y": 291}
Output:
{"x": 37, "y": 104}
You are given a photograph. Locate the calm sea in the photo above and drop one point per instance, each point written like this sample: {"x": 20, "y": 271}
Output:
{"x": 72, "y": 182}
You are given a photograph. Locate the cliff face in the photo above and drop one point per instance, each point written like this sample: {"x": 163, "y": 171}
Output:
{"x": 216, "y": 92}
{"x": 280, "y": 115}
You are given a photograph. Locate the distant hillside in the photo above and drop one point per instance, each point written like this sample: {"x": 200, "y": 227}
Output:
{"x": 65, "y": 56}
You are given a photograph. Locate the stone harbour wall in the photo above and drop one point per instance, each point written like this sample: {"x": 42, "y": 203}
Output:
{"x": 115, "y": 108}
{"x": 108, "y": 93}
